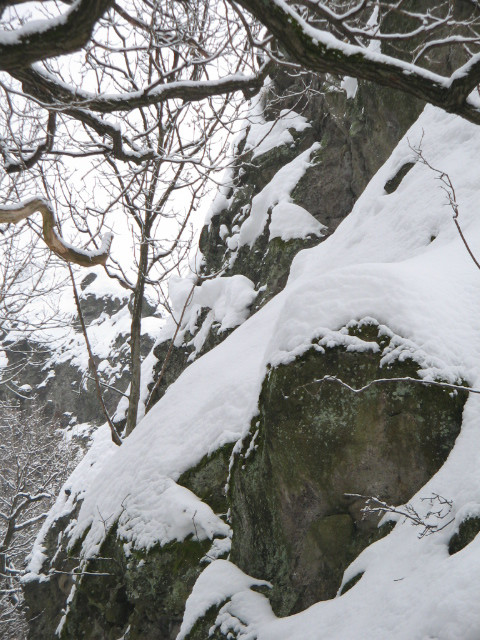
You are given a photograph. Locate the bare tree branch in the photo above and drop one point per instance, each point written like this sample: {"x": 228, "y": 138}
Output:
{"x": 440, "y": 508}
{"x": 64, "y": 34}
{"x": 14, "y": 215}
{"x": 115, "y": 437}
{"x": 318, "y": 50}
{"x": 46, "y": 88}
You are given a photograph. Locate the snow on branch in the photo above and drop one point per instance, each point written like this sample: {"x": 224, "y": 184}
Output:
{"x": 45, "y": 87}
{"x": 42, "y": 39}
{"x": 319, "y": 50}
{"x": 82, "y": 257}
{"x": 88, "y": 108}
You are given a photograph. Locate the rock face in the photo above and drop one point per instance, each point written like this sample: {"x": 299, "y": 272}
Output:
{"x": 312, "y": 442}
{"x": 355, "y": 137}
{"x": 316, "y": 443}
{"x": 56, "y": 372}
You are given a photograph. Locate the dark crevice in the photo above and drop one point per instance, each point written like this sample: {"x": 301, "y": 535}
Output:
{"x": 393, "y": 184}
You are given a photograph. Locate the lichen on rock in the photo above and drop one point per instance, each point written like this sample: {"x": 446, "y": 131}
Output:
{"x": 294, "y": 522}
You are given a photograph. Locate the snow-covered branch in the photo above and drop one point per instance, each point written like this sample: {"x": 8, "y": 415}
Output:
{"x": 42, "y": 39}
{"x": 82, "y": 257}
{"x": 54, "y": 93}
{"x": 319, "y": 50}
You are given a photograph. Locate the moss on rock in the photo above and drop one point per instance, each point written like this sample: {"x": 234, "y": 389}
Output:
{"x": 351, "y": 583}
{"x": 144, "y": 591}
{"x": 293, "y": 523}
{"x": 467, "y": 532}
{"x": 207, "y": 479}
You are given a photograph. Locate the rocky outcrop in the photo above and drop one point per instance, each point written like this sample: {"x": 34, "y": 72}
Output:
{"x": 312, "y": 445}
{"x": 55, "y": 373}
{"x": 354, "y": 138}
{"x": 292, "y": 520}
{"x": 283, "y": 488}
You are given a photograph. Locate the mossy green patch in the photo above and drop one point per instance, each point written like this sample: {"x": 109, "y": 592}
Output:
{"x": 467, "y": 532}
{"x": 205, "y": 627}
{"x": 294, "y": 523}
{"x": 208, "y": 478}
{"x": 351, "y": 583}
{"x": 393, "y": 184}
{"x": 143, "y": 590}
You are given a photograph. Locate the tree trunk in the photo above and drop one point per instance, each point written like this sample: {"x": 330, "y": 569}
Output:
{"x": 135, "y": 339}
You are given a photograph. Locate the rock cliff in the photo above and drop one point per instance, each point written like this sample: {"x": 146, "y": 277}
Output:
{"x": 294, "y": 393}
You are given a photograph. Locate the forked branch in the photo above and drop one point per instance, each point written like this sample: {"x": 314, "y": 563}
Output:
{"x": 439, "y": 508}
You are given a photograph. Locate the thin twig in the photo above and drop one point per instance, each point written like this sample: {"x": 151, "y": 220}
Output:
{"x": 79, "y": 573}
{"x": 108, "y": 386}
{"x": 115, "y": 437}
{"x": 451, "y": 196}
{"x": 447, "y": 385}
{"x": 374, "y": 505}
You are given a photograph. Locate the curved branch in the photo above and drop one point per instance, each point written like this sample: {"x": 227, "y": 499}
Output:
{"x": 46, "y": 88}
{"x": 44, "y": 39}
{"x": 318, "y": 50}
{"x": 56, "y": 244}
{"x": 44, "y": 147}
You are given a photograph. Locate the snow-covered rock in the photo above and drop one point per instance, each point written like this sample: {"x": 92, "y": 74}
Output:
{"x": 347, "y": 381}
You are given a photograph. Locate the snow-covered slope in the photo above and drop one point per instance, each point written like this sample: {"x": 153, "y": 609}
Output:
{"x": 398, "y": 259}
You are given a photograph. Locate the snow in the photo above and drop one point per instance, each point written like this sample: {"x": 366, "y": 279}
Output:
{"x": 229, "y": 299}
{"x": 168, "y": 512}
{"x": 260, "y": 136}
{"x": 102, "y": 286}
{"x": 146, "y": 378}
{"x": 106, "y": 243}
{"x": 103, "y": 334}
{"x": 219, "y": 581}
{"x": 80, "y": 481}
{"x": 329, "y": 41}
{"x": 277, "y": 191}
{"x": 15, "y": 36}
{"x": 290, "y": 221}
{"x": 350, "y": 86}
{"x": 397, "y": 259}
{"x": 111, "y": 102}
{"x": 197, "y": 419}
{"x": 220, "y": 547}
{"x": 221, "y": 200}
{"x": 263, "y": 136}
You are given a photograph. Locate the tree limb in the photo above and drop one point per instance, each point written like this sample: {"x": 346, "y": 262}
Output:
{"x": 51, "y": 92}
{"x": 33, "y": 158}
{"x": 14, "y": 215}
{"x": 319, "y": 51}
{"x": 115, "y": 437}
{"x": 44, "y": 39}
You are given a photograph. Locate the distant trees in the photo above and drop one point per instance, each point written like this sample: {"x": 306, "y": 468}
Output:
{"x": 34, "y": 462}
